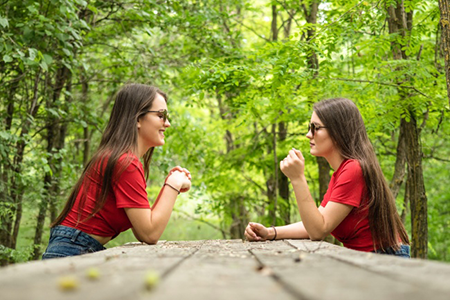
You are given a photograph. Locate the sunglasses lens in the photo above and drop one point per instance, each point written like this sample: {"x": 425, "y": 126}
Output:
{"x": 312, "y": 128}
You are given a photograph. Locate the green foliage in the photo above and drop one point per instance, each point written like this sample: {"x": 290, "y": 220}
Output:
{"x": 229, "y": 83}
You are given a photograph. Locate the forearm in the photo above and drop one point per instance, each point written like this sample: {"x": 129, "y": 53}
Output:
{"x": 312, "y": 219}
{"x": 161, "y": 211}
{"x": 291, "y": 231}
{"x": 149, "y": 224}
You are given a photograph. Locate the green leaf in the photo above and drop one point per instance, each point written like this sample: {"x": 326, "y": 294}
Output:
{"x": 48, "y": 59}
{"x": 4, "y": 22}
{"x": 33, "y": 53}
{"x": 7, "y": 58}
{"x": 67, "y": 52}
{"x": 92, "y": 8}
{"x": 44, "y": 65}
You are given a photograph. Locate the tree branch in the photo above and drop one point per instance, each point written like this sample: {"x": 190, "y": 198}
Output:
{"x": 380, "y": 83}
{"x": 252, "y": 30}
{"x": 436, "y": 158}
{"x": 202, "y": 221}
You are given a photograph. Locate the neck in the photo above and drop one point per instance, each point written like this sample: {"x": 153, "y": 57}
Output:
{"x": 141, "y": 149}
{"x": 335, "y": 160}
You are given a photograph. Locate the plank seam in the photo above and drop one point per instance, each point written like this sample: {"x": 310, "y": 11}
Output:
{"x": 387, "y": 274}
{"x": 178, "y": 263}
{"x": 278, "y": 279}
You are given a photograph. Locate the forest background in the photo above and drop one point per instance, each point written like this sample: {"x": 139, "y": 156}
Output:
{"x": 242, "y": 77}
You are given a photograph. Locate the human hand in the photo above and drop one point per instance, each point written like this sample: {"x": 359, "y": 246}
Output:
{"x": 293, "y": 166}
{"x": 256, "y": 232}
{"x": 178, "y": 168}
{"x": 180, "y": 178}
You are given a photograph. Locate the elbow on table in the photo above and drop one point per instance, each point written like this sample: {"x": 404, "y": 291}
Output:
{"x": 150, "y": 240}
{"x": 320, "y": 236}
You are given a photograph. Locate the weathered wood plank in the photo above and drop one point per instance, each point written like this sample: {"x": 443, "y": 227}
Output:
{"x": 315, "y": 275}
{"x": 122, "y": 272}
{"x": 428, "y": 274}
{"x": 220, "y": 270}
{"x": 224, "y": 269}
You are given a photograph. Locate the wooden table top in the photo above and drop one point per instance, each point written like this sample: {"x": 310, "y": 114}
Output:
{"x": 228, "y": 269}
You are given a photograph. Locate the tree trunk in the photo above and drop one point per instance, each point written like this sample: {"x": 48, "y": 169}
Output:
{"x": 10, "y": 223}
{"x": 313, "y": 64}
{"x": 53, "y": 129}
{"x": 400, "y": 22}
{"x": 416, "y": 189}
{"x": 238, "y": 214}
{"x": 283, "y": 182}
{"x": 6, "y": 176}
{"x": 311, "y": 18}
{"x": 324, "y": 177}
{"x": 274, "y": 28}
{"x": 86, "y": 134}
{"x": 236, "y": 203}
{"x": 400, "y": 164}
{"x": 444, "y": 7}
{"x": 275, "y": 179}
{"x": 405, "y": 203}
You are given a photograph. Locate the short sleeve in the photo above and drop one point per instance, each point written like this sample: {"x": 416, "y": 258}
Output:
{"x": 130, "y": 187}
{"x": 349, "y": 187}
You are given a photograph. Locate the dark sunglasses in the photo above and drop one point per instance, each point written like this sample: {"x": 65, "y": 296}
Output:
{"x": 313, "y": 127}
{"x": 162, "y": 113}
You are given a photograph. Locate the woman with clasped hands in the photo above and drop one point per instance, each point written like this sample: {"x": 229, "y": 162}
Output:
{"x": 110, "y": 196}
{"x": 358, "y": 208}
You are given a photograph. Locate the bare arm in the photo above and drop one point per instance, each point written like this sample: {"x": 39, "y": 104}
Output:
{"x": 317, "y": 222}
{"x": 258, "y": 232}
{"x": 149, "y": 224}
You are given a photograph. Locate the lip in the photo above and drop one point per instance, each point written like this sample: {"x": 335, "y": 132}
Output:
{"x": 162, "y": 132}
{"x": 311, "y": 144}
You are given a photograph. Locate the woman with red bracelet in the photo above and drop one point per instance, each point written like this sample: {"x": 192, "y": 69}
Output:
{"x": 358, "y": 208}
{"x": 110, "y": 196}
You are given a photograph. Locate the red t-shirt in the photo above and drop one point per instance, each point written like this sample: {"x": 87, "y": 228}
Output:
{"x": 347, "y": 186}
{"x": 129, "y": 190}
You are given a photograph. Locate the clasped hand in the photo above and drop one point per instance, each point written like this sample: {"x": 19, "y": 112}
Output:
{"x": 180, "y": 178}
{"x": 293, "y": 166}
{"x": 256, "y": 232}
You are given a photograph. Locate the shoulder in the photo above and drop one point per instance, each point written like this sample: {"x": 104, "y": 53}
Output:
{"x": 351, "y": 165}
{"x": 350, "y": 168}
{"x": 128, "y": 163}
{"x": 128, "y": 159}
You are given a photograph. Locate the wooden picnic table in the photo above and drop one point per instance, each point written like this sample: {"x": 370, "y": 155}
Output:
{"x": 228, "y": 269}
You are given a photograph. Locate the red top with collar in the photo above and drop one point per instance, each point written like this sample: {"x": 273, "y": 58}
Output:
{"x": 347, "y": 186}
{"x": 129, "y": 190}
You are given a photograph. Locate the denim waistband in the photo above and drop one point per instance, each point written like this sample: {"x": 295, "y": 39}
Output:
{"x": 76, "y": 235}
{"x": 404, "y": 251}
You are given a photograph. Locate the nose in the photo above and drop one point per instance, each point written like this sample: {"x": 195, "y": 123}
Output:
{"x": 309, "y": 135}
{"x": 167, "y": 123}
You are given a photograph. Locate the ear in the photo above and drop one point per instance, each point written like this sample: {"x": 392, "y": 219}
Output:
{"x": 138, "y": 124}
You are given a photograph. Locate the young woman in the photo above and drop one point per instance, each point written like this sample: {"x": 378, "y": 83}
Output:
{"x": 358, "y": 208}
{"x": 110, "y": 196}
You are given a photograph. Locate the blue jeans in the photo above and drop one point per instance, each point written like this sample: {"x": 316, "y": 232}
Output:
{"x": 66, "y": 241}
{"x": 402, "y": 252}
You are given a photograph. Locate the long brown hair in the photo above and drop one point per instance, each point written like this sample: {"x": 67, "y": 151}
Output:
{"x": 346, "y": 129}
{"x": 119, "y": 137}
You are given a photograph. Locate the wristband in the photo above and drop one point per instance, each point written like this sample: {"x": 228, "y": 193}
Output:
{"x": 172, "y": 187}
{"x": 275, "y": 236}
